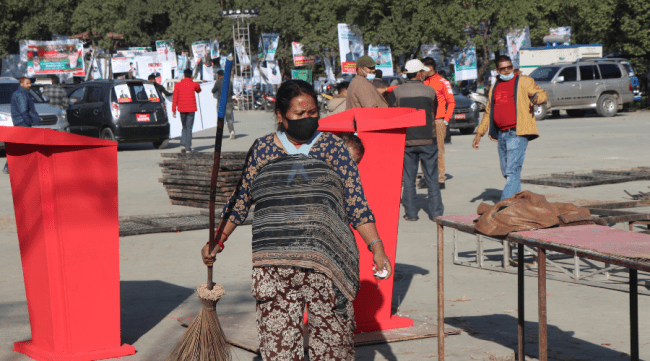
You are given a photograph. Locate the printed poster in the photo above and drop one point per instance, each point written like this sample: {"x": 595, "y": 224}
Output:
{"x": 517, "y": 39}
{"x": 267, "y": 73}
{"x": 52, "y": 57}
{"x": 561, "y": 31}
{"x": 350, "y": 47}
{"x": 133, "y": 51}
{"x": 123, "y": 93}
{"x": 297, "y": 74}
{"x": 152, "y": 94}
{"x": 242, "y": 56}
{"x": 299, "y": 59}
{"x": 383, "y": 58}
{"x": 268, "y": 46}
{"x": 434, "y": 51}
{"x": 125, "y": 65}
{"x": 166, "y": 52}
{"x": 465, "y": 64}
{"x": 200, "y": 49}
{"x": 182, "y": 63}
{"x": 328, "y": 69}
{"x": 214, "y": 48}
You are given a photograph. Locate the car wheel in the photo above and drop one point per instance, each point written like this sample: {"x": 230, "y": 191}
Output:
{"x": 107, "y": 134}
{"x": 161, "y": 144}
{"x": 540, "y": 112}
{"x": 607, "y": 105}
{"x": 466, "y": 131}
{"x": 576, "y": 113}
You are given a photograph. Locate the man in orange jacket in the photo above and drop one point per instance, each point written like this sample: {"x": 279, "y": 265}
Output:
{"x": 185, "y": 101}
{"x": 446, "y": 105}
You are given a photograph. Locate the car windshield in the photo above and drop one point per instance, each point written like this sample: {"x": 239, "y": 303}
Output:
{"x": 7, "y": 89}
{"x": 545, "y": 73}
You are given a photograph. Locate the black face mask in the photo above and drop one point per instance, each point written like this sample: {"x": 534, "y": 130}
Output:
{"x": 302, "y": 129}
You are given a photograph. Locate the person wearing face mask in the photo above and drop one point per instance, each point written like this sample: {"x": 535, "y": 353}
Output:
{"x": 361, "y": 92}
{"x": 421, "y": 142}
{"x": 510, "y": 121}
{"x": 307, "y": 192}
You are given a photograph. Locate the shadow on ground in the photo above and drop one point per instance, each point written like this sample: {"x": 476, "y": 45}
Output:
{"x": 404, "y": 274}
{"x": 145, "y": 304}
{"x": 489, "y": 194}
{"x": 502, "y": 329}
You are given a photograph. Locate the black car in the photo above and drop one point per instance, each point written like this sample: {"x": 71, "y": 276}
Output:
{"x": 126, "y": 111}
{"x": 466, "y": 112}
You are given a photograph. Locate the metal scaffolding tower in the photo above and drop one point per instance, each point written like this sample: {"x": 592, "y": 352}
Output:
{"x": 243, "y": 56}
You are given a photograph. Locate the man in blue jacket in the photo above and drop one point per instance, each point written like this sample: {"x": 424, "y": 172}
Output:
{"x": 23, "y": 111}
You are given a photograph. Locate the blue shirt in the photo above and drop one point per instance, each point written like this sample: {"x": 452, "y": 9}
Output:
{"x": 23, "y": 111}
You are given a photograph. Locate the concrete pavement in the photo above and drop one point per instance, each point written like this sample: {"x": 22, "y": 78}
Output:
{"x": 160, "y": 271}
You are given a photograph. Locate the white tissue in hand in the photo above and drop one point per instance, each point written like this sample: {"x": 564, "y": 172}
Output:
{"x": 381, "y": 274}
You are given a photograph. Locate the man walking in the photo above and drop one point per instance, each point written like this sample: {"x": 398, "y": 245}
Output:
{"x": 361, "y": 92}
{"x": 230, "y": 106}
{"x": 23, "y": 111}
{"x": 159, "y": 88}
{"x": 510, "y": 121}
{"x": 420, "y": 141}
{"x": 446, "y": 105}
{"x": 185, "y": 101}
{"x": 56, "y": 94}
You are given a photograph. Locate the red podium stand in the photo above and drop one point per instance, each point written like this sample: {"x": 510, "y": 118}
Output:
{"x": 383, "y": 133}
{"x": 64, "y": 190}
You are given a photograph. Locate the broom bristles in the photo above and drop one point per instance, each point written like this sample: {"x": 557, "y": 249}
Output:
{"x": 204, "y": 339}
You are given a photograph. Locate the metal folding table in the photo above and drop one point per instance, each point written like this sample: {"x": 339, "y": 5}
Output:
{"x": 613, "y": 246}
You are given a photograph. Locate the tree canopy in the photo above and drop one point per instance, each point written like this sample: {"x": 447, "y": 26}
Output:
{"x": 620, "y": 25}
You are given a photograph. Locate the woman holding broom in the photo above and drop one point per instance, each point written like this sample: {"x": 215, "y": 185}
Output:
{"x": 306, "y": 190}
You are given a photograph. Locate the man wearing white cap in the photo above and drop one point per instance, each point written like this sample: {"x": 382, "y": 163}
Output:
{"x": 421, "y": 142}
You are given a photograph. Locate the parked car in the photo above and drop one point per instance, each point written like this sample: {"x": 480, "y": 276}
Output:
{"x": 466, "y": 112}
{"x": 126, "y": 111}
{"x": 600, "y": 84}
{"x": 51, "y": 117}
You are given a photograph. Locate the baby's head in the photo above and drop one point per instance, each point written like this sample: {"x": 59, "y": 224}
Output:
{"x": 355, "y": 146}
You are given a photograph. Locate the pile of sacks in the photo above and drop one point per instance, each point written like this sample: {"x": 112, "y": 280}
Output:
{"x": 527, "y": 211}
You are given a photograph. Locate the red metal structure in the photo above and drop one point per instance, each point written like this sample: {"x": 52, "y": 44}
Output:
{"x": 64, "y": 190}
{"x": 383, "y": 133}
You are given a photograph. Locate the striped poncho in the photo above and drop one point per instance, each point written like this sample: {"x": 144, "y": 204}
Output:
{"x": 301, "y": 220}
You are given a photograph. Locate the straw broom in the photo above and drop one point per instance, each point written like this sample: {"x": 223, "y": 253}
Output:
{"x": 204, "y": 339}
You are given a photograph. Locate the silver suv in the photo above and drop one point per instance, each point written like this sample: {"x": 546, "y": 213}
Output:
{"x": 600, "y": 84}
{"x": 51, "y": 117}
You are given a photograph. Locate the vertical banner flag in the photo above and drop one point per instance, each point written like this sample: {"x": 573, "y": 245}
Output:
{"x": 52, "y": 57}
{"x": 434, "y": 51}
{"x": 465, "y": 62}
{"x": 243, "y": 59}
{"x": 298, "y": 58}
{"x": 350, "y": 47}
{"x": 214, "y": 48}
{"x": 182, "y": 63}
{"x": 328, "y": 69}
{"x": 200, "y": 49}
{"x": 268, "y": 46}
{"x": 166, "y": 52}
{"x": 517, "y": 39}
{"x": 383, "y": 58}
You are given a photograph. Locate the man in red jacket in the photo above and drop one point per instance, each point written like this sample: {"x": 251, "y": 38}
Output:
{"x": 185, "y": 100}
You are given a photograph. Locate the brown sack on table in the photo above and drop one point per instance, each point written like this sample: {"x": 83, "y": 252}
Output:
{"x": 522, "y": 212}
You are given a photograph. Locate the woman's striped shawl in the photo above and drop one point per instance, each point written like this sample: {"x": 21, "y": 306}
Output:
{"x": 300, "y": 221}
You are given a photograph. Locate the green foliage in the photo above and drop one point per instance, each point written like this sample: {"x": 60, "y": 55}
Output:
{"x": 620, "y": 25}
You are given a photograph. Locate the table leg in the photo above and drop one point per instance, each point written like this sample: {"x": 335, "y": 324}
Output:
{"x": 634, "y": 315}
{"x": 541, "y": 299}
{"x": 520, "y": 302}
{"x": 441, "y": 295}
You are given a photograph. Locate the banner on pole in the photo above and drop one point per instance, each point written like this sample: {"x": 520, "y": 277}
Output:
{"x": 268, "y": 46}
{"x": 297, "y": 74}
{"x": 383, "y": 58}
{"x": 200, "y": 49}
{"x": 350, "y": 47}
{"x": 465, "y": 64}
{"x": 52, "y": 57}
{"x": 214, "y": 48}
{"x": 517, "y": 39}
{"x": 166, "y": 52}
{"x": 299, "y": 59}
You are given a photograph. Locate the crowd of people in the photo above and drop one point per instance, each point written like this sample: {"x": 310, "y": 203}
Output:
{"x": 306, "y": 190}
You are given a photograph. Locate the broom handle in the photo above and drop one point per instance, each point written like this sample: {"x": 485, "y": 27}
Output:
{"x": 217, "y": 158}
